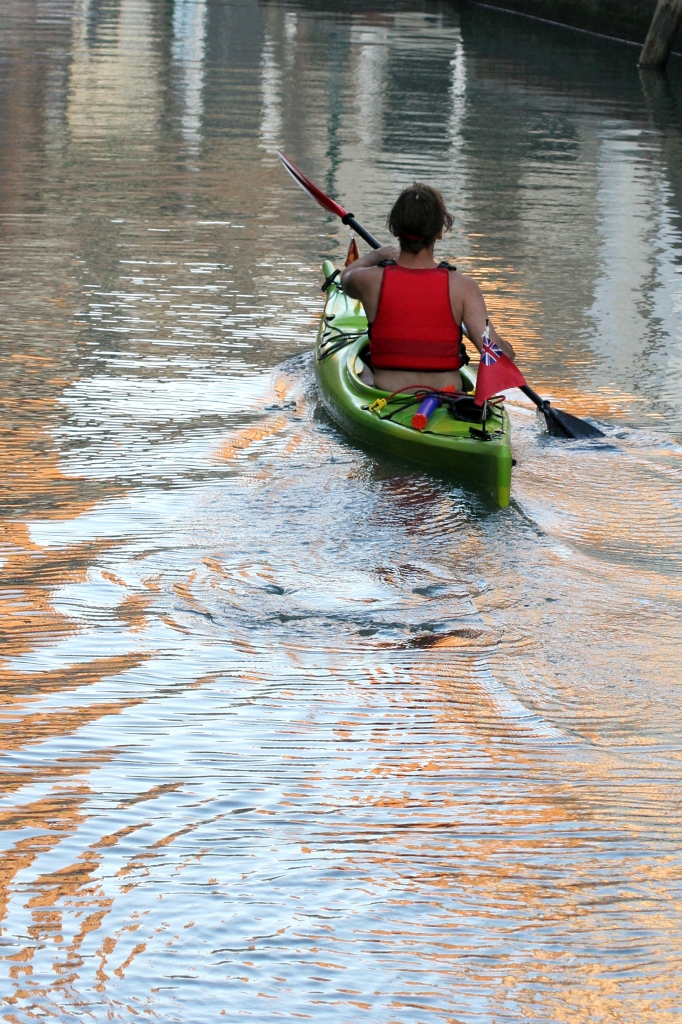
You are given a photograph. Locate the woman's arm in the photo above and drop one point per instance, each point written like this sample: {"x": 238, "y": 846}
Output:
{"x": 475, "y": 315}
{"x": 349, "y": 285}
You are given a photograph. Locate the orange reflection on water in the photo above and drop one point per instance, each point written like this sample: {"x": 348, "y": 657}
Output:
{"x": 34, "y": 487}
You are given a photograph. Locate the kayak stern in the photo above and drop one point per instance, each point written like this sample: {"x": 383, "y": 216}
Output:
{"x": 446, "y": 444}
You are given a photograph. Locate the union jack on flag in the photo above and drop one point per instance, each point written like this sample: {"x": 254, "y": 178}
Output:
{"x": 490, "y": 352}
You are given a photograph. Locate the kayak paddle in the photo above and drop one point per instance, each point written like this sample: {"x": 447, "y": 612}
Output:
{"x": 325, "y": 202}
{"x": 559, "y": 424}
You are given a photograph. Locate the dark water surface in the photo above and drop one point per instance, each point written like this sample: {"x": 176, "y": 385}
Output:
{"x": 291, "y": 731}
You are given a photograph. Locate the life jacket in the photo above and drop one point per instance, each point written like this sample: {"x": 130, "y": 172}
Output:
{"x": 414, "y": 328}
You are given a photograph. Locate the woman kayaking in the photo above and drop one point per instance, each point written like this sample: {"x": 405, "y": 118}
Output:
{"x": 415, "y": 306}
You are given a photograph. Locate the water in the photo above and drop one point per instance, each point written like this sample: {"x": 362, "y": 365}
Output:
{"x": 292, "y": 731}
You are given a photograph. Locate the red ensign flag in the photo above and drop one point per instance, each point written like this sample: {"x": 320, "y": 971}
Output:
{"x": 496, "y": 372}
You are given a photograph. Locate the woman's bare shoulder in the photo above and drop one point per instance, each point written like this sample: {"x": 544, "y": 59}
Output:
{"x": 462, "y": 284}
{"x": 460, "y": 277}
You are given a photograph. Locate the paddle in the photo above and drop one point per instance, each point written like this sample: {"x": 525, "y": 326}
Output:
{"x": 559, "y": 424}
{"x": 562, "y": 424}
{"x": 325, "y": 202}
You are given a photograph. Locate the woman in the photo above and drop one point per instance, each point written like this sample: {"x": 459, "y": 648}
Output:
{"x": 415, "y": 306}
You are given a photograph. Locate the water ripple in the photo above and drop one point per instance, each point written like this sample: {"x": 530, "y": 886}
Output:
{"x": 292, "y": 730}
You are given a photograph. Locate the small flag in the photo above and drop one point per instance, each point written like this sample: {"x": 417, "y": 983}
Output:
{"x": 352, "y": 255}
{"x": 496, "y": 372}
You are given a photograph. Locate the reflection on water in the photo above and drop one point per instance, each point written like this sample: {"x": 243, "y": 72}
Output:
{"x": 291, "y": 730}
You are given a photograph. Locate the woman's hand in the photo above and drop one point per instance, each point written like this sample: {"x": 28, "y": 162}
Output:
{"x": 386, "y": 252}
{"x": 370, "y": 259}
{"x": 352, "y": 277}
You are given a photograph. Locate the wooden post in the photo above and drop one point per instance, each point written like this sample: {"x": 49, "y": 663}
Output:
{"x": 659, "y": 39}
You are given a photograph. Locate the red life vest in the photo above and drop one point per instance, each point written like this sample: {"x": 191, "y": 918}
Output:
{"x": 415, "y": 328}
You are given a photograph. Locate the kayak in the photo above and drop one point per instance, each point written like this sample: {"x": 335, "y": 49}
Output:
{"x": 476, "y": 453}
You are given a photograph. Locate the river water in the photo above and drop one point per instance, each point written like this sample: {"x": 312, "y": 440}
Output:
{"x": 290, "y": 730}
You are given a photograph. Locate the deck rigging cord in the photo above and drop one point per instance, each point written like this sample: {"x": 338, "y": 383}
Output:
{"x": 460, "y": 405}
{"x": 338, "y": 340}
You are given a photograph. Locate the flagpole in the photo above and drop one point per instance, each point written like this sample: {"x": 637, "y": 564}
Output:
{"x": 486, "y": 337}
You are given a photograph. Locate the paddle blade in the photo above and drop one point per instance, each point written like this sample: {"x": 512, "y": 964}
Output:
{"x": 312, "y": 190}
{"x": 562, "y": 424}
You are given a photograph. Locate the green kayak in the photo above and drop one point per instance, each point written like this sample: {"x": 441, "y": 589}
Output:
{"x": 447, "y": 444}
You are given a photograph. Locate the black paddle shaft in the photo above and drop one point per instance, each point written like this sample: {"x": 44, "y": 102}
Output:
{"x": 542, "y": 403}
{"x": 350, "y": 220}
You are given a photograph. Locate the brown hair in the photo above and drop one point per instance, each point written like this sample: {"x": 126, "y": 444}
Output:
{"x": 418, "y": 215}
